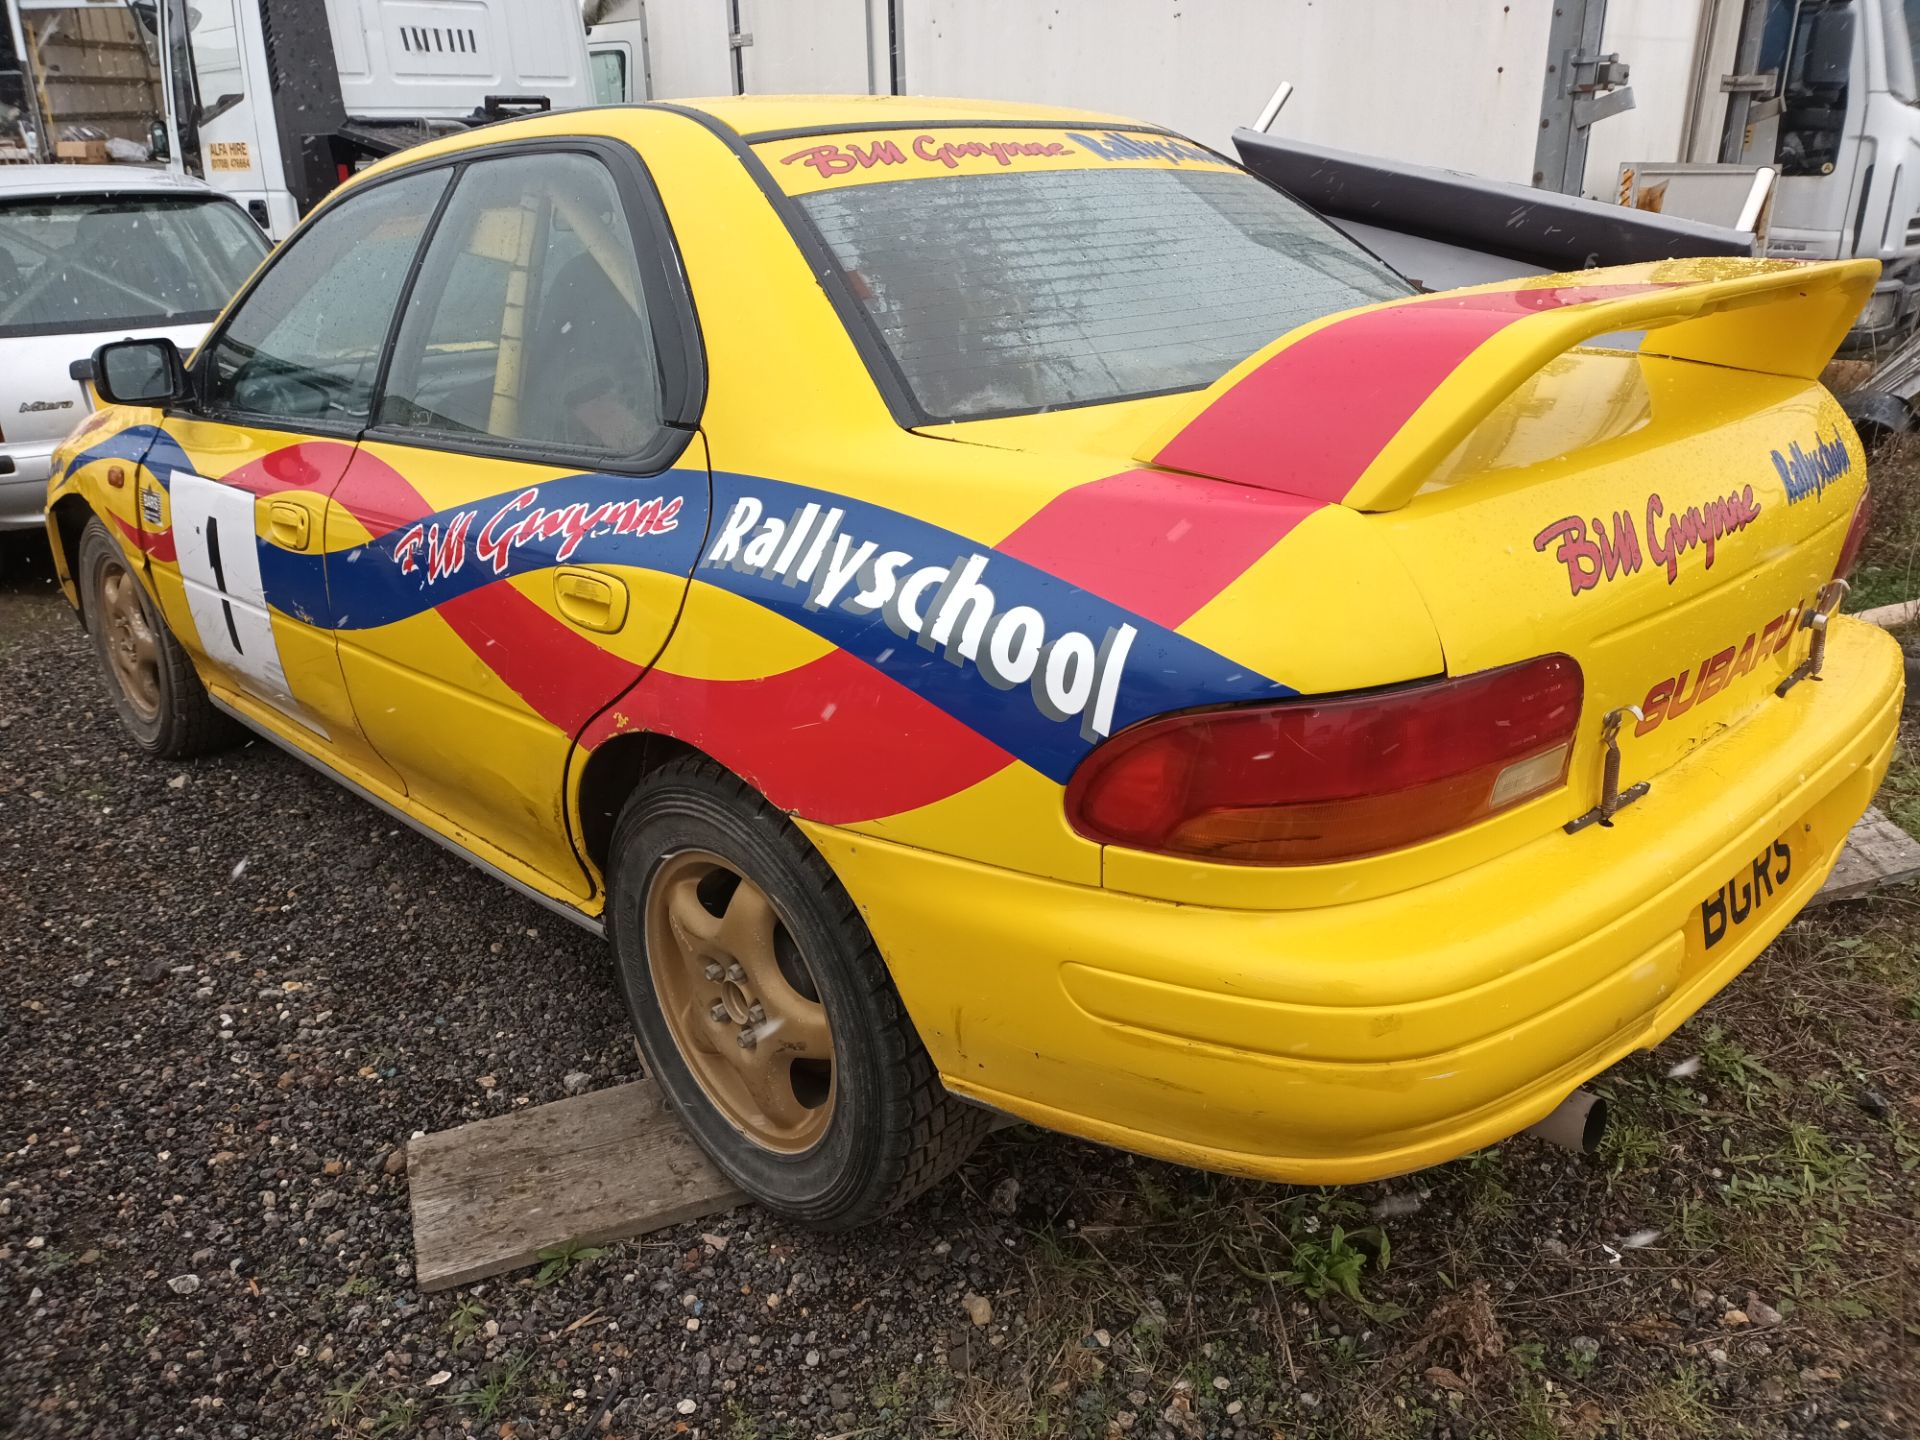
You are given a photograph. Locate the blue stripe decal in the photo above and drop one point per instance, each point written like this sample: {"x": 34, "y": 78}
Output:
{"x": 1041, "y": 667}
{"x": 135, "y": 444}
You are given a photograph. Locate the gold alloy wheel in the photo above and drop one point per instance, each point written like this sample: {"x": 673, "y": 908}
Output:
{"x": 132, "y": 648}
{"x": 740, "y": 1001}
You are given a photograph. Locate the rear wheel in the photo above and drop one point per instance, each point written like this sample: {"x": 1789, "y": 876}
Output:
{"x": 764, "y": 1010}
{"x": 160, "y": 699}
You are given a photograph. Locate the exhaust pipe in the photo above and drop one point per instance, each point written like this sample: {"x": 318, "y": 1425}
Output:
{"x": 1576, "y": 1124}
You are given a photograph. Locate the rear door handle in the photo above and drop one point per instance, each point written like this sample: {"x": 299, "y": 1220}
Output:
{"x": 590, "y": 600}
{"x": 288, "y": 525}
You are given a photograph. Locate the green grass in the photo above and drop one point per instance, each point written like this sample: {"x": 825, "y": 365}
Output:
{"x": 1889, "y": 567}
{"x": 1899, "y": 797}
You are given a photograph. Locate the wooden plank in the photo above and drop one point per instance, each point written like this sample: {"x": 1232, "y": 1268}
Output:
{"x": 1878, "y": 852}
{"x": 490, "y": 1196}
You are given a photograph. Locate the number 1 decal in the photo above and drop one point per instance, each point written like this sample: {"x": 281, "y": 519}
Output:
{"x": 220, "y": 567}
{"x": 220, "y": 580}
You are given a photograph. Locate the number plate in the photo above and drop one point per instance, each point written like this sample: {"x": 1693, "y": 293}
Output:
{"x": 1754, "y": 888}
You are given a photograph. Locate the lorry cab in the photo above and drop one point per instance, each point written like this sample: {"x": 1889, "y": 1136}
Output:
{"x": 1837, "y": 111}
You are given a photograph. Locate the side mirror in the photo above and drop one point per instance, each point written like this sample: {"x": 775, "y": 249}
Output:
{"x": 139, "y": 372}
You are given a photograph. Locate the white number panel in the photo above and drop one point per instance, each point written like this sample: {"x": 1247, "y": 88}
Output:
{"x": 220, "y": 566}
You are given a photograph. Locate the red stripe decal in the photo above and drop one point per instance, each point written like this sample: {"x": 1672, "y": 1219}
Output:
{"x": 563, "y": 676}
{"x": 839, "y": 742}
{"x": 1313, "y": 417}
{"x": 1158, "y": 543}
{"x": 156, "y": 543}
{"x": 834, "y": 739}
{"x": 309, "y": 465}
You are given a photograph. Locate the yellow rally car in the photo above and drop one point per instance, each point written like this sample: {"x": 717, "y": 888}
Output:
{"x": 995, "y": 609}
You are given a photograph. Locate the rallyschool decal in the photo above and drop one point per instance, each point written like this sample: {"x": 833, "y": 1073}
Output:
{"x": 1604, "y": 553}
{"x": 1116, "y": 145}
{"x": 1807, "y": 475}
{"x": 1041, "y": 667}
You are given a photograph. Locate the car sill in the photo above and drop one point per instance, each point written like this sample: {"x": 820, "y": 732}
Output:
{"x": 546, "y": 902}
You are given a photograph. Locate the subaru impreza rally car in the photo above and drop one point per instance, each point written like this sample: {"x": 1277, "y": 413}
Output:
{"x": 999, "y": 610}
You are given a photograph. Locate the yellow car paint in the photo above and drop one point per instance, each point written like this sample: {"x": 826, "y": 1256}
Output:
{"x": 1430, "y": 486}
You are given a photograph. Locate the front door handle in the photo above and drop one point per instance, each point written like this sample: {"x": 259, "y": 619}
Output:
{"x": 590, "y": 600}
{"x": 287, "y": 523}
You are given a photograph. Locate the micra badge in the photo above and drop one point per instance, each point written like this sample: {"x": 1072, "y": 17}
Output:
{"x": 36, "y": 407}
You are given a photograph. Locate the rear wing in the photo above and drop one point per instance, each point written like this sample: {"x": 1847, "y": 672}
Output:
{"x": 1359, "y": 408}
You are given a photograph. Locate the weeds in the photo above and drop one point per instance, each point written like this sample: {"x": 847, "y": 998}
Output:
{"x": 1629, "y": 1143}
{"x": 465, "y": 1321}
{"x": 1678, "y": 1408}
{"x": 400, "y": 1418}
{"x": 343, "y": 1402}
{"x": 489, "y": 1400}
{"x": 559, "y": 1261}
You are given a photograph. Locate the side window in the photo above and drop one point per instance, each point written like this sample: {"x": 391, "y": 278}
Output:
{"x": 304, "y": 346}
{"x": 529, "y": 322}
{"x": 610, "y": 76}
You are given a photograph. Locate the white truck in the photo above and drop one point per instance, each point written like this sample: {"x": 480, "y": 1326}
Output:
{"x": 275, "y": 101}
{"x": 1569, "y": 95}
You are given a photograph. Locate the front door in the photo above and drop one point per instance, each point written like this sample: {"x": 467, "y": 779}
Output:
{"x": 510, "y": 546}
{"x": 233, "y": 494}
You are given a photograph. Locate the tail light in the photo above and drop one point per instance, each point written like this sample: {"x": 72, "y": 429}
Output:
{"x": 1856, "y": 536}
{"x": 1307, "y": 781}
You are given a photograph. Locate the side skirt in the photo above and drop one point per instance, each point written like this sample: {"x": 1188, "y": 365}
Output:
{"x": 566, "y": 912}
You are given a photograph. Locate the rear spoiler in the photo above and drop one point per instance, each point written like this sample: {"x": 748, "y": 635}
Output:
{"x": 1359, "y": 408}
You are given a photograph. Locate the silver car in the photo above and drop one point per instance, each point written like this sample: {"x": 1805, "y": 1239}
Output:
{"x": 89, "y": 254}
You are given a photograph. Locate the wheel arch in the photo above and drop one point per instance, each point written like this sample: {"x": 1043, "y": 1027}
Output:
{"x": 609, "y": 774}
{"x": 66, "y": 521}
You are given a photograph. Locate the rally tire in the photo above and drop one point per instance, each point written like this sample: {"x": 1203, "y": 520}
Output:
{"x": 167, "y": 715}
{"x": 893, "y": 1130}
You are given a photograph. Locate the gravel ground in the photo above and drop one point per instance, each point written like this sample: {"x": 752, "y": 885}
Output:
{"x": 229, "y": 991}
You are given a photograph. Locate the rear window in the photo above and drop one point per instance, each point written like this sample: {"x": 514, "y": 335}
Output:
{"x": 100, "y": 262}
{"x": 1009, "y": 293}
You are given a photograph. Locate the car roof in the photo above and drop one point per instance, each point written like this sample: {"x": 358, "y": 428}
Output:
{"x": 21, "y": 180}
{"x": 760, "y": 114}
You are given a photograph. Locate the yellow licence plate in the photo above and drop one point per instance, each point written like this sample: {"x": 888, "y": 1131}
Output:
{"x": 1751, "y": 890}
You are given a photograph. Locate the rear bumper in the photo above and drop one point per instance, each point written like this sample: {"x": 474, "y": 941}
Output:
{"x": 1348, "y": 1042}
{"x": 23, "y": 485}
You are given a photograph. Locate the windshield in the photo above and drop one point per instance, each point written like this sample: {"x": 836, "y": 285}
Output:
{"x": 100, "y": 262}
{"x": 1007, "y": 292}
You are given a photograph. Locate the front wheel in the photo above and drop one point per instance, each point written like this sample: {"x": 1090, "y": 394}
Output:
{"x": 765, "y": 1012}
{"x": 160, "y": 699}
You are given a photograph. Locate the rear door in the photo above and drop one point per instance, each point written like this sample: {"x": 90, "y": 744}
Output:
{"x": 510, "y": 547}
